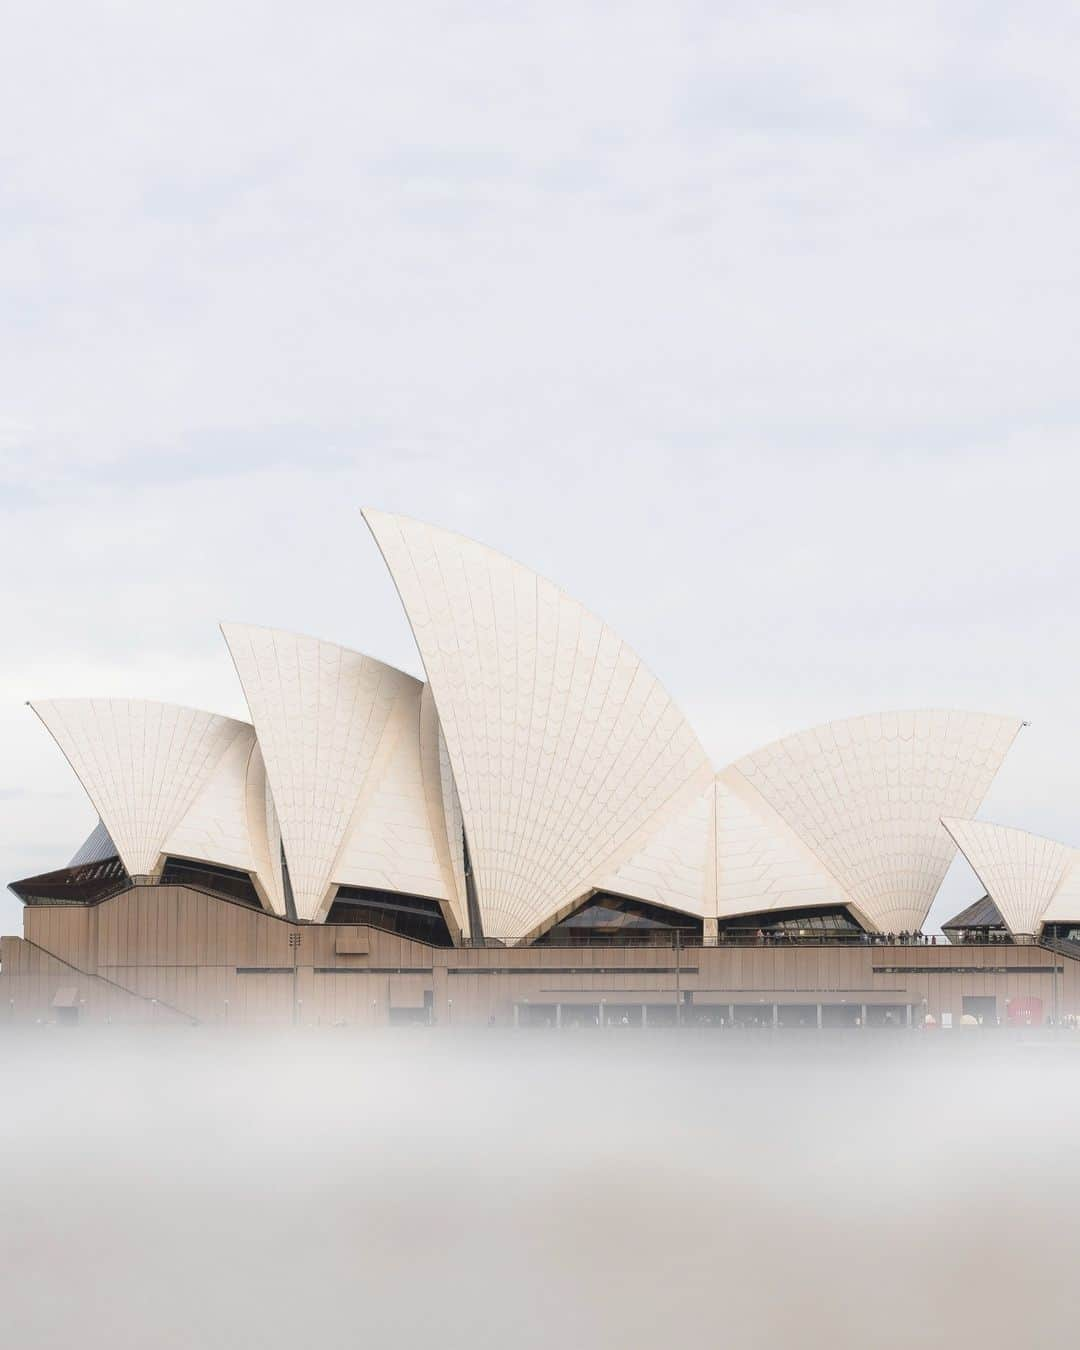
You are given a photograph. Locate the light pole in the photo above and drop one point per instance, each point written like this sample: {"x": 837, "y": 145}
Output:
{"x": 678, "y": 977}
{"x": 294, "y": 944}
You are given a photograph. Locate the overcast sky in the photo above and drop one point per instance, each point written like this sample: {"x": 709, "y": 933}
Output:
{"x": 755, "y": 326}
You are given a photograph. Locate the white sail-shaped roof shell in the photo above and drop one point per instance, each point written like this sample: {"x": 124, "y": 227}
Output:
{"x": 1064, "y": 905}
{"x": 264, "y": 831}
{"x": 397, "y": 838}
{"x": 564, "y": 748}
{"x": 142, "y": 765}
{"x": 215, "y": 826}
{"x": 866, "y": 796}
{"x": 1023, "y": 873}
{"x": 726, "y": 853}
{"x": 340, "y": 738}
{"x": 674, "y": 867}
{"x": 761, "y": 863}
{"x": 231, "y": 821}
{"x": 443, "y": 810}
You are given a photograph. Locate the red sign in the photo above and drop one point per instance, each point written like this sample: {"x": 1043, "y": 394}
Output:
{"x": 1024, "y": 1012}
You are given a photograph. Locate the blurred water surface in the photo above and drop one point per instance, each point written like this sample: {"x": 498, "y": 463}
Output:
{"x": 626, "y": 1190}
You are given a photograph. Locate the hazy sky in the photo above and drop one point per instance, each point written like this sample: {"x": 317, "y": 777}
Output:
{"x": 753, "y": 325}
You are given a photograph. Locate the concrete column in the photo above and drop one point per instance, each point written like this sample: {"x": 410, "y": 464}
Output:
{"x": 711, "y": 932}
{"x": 776, "y": 1014}
{"x": 819, "y": 1017}
{"x": 731, "y": 1014}
{"x": 601, "y": 1018}
{"x": 644, "y": 1014}
{"x": 862, "y": 1020}
{"x": 517, "y": 1017}
{"x": 440, "y": 985}
{"x": 909, "y": 1014}
{"x": 558, "y": 1016}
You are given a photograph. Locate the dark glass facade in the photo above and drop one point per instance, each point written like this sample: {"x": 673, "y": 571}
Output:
{"x": 411, "y": 916}
{"x": 981, "y": 922}
{"x": 82, "y": 885}
{"x": 205, "y": 876}
{"x": 616, "y": 919}
{"x": 816, "y": 923}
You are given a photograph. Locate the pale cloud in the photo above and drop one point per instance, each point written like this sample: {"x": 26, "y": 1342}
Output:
{"x": 755, "y": 327}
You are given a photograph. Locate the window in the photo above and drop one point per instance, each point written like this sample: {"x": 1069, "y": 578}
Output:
{"x": 206, "y": 876}
{"x": 410, "y": 916}
{"x": 819, "y": 923}
{"x": 82, "y": 885}
{"x": 607, "y": 918}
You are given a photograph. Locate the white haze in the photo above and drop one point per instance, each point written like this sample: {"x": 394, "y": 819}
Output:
{"x": 526, "y": 1190}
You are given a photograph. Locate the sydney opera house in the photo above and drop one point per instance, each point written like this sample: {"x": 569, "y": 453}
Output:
{"x": 533, "y": 836}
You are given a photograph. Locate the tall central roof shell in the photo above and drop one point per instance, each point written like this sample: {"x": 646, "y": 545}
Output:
{"x": 566, "y": 751}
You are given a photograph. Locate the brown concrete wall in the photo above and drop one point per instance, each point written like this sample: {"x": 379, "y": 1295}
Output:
{"x": 31, "y": 979}
{"x": 168, "y": 952}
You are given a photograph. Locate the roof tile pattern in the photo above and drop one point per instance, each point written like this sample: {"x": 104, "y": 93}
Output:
{"x": 320, "y": 713}
{"x": 1065, "y": 905}
{"x": 761, "y": 864}
{"x": 390, "y": 844}
{"x": 563, "y": 745}
{"x": 1022, "y": 872}
{"x": 264, "y": 832}
{"x": 142, "y": 764}
{"x": 443, "y": 808}
{"x": 673, "y": 868}
{"x": 215, "y": 827}
{"x": 867, "y": 795}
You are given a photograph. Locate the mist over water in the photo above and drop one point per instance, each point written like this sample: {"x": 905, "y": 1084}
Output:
{"x": 419, "y": 1188}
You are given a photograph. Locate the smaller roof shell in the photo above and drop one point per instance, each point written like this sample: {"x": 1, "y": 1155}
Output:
{"x": 142, "y": 764}
{"x": 866, "y": 796}
{"x": 1023, "y": 873}
{"x": 340, "y": 735}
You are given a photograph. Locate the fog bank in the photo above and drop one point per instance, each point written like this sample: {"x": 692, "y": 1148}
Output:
{"x": 419, "y": 1189}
